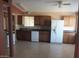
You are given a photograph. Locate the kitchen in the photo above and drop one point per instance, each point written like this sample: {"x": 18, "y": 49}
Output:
{"x": 39, "y": 29}
{"x": 39, "y": 21}
{"x": 35, "y": 28}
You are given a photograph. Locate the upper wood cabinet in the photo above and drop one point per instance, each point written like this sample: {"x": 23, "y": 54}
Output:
{"x": 43, "y": 20}
{"x": 19, "y": 19}
{"x": 37, "y": 20}
{"x": 46, "y": 21}
{"x": 69, "y": 21}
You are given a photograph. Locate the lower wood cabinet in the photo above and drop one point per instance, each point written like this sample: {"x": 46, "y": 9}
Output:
{"x": 23, "y": 35}
{"x": 44, "y": 36}
{"x": 69, "y": 37}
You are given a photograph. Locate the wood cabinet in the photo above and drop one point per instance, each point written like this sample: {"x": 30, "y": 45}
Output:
{"x": 44, "y": 36}
{"x": 45, "y": 21}
{"x": 36, "y": 20}
{"x": 42, "y": 20}
{"x": 19, "y": 19}
{"x": 23, "y": 35}
{"x": 69, "y": 21}
{"x": 69, "y": 37}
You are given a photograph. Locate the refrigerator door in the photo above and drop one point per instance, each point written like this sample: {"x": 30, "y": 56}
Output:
{"x": 57, "y": 27}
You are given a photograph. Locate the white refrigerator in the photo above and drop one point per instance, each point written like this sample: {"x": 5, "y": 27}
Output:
{"x": 57, "y": 27}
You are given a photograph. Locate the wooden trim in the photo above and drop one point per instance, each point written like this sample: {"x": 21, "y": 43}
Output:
{"x": 76, "y": 53}
{"x": 10, "y": 30}
{"x": 16, "y": 10}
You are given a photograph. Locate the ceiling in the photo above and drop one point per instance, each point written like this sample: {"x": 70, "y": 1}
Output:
{"x": 46, "y": 5}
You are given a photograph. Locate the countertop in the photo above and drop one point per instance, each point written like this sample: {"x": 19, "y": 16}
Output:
{"x": 35, "y": 28}
{"x": 70, "y": 31}
{"x": 41, "y": 28}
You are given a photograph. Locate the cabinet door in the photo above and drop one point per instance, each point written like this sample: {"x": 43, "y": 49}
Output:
{"x": 45, "y": 20}
{"x": 23, "y": 35}
{"x": 66, "y": 38}
{"x": 44, "y": 36}
{"x": 72, "y": 38}
{"x": 19, "y": 35}
{"x": 42, "y": 20}
{"x": 27, "y": 35}
{"x": 69, "y": 38}
{"x": 36, "y": 20}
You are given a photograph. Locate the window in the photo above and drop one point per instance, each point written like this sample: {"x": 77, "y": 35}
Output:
{"x": 28, "y": 21}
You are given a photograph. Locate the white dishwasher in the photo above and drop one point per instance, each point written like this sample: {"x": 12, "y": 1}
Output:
{"x": 35, "y": 36}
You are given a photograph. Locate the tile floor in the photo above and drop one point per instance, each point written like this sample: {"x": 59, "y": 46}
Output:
{"x": 25, "y": 49}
